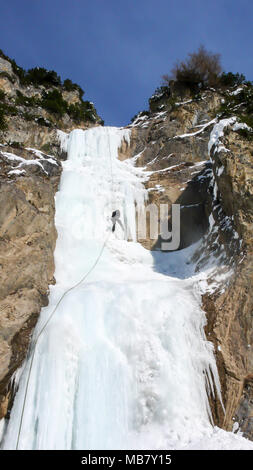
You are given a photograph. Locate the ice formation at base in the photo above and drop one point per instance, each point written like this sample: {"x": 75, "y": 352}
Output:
{"x": 124, "y": 361}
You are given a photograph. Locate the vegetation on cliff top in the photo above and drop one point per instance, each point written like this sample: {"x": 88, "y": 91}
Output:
{"x": 201, "y": 68}
{"x": 201, "y": 71}
{"x": 52, "y": 99}
{"x": 40, "y": 76}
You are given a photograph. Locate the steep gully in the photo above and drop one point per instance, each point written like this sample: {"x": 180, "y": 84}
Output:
{"x": 124, "y": 362}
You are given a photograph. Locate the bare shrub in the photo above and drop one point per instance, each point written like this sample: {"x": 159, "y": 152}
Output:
{"x": 201, "y": 67}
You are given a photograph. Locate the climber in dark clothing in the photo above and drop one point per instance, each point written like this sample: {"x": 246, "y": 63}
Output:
{"x": 115, "y": 218}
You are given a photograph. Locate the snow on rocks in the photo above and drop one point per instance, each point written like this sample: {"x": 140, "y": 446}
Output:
{"x": 218, "y": 132}
{"x": 20, "y": 165}
{"x": 241, "y": 125}
{"x": 236, "y": 92}
{"x": 203, "y": 127}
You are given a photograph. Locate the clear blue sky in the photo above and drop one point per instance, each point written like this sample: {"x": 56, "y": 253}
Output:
{"x": 117, "y": 50}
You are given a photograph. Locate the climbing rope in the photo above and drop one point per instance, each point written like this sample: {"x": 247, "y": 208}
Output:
{"x": 34, "y": 343}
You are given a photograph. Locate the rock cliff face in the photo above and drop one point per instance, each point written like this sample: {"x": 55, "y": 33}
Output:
{"x": 176, "y": 142}
{"x": 194, "y": 158}
{"x": 173, "y": 144}
{"x": 229, "y": 312}
{"x": 27, "y": 241}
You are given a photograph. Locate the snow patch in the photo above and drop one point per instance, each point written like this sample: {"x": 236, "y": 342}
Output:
{"x": 241, "y": 125}
{"x": 236, "y": 92}
{"x": 16, "y": 172}
{"x": 217, "y": 133}
{"x": 203, "y": 127}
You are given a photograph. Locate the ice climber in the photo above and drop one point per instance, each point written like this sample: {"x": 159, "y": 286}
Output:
{"x": 115, "y": 218}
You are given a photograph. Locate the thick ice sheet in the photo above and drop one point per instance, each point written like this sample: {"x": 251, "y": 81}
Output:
{"x": 123, "y": 362}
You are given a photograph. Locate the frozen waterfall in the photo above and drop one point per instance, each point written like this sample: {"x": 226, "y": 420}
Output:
{"x": 124, "y": 360}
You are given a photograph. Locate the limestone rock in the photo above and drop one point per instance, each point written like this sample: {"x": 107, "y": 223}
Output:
{"x": 229, "y": 313}
{"x": 27, "y": 241}
{"x": 5, "y": 66}
{"x": 174, "y": 146}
